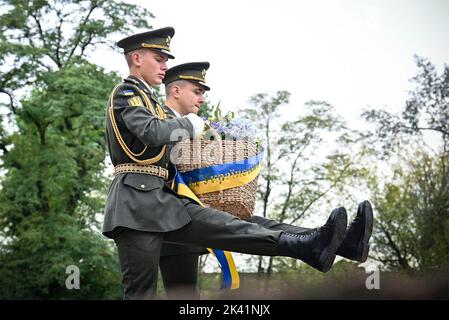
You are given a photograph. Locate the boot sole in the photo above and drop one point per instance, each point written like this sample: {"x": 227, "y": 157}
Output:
{"x": 363, "y": 246}
{"x": 328, "y": 255}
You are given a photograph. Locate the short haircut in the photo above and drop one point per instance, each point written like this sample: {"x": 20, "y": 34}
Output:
{"x": 179, "y": 83}
{"x": 128, "y": 56}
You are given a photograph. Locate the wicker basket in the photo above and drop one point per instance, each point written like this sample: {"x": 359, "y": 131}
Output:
{"x": 238, "y": 201}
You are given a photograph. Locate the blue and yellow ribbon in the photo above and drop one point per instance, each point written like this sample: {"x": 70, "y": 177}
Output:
{"x": 212, "y": 179}
{"x": 223, "y": 176}
{"x": 231, "y": 278}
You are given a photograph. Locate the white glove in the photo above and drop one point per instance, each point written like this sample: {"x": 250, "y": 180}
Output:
{"x": 197, "y": 123}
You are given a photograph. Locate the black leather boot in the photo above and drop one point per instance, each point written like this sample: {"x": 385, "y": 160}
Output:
{"x": 355, "y": 244}
{"x": 318, "y": 247}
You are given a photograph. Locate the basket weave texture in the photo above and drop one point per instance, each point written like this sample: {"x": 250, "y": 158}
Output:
{"x": 238, "y": 201}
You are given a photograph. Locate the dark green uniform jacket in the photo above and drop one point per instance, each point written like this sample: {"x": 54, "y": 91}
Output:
{"x": 141, "y": 201}
{"x": 169, "y": 249}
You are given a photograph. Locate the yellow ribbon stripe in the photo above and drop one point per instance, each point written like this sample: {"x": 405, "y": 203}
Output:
{"x": 225, "y": 182}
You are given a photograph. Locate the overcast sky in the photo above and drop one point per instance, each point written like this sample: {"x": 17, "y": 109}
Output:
{"x": 349, "y": 53}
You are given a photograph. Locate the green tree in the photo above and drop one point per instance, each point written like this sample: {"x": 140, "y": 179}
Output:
{"x": 412, "y": 228}
{"x": 34, "y": 265}
{"x": 40, "y": 36}
{"x": 321, "y": 161}
{"x": 53, "y": 147}
{"x": 264, "y": 111}
{"x": 412, "y": 222}
{"x": 300, "y": 170}
{"x": 427, "y": 110}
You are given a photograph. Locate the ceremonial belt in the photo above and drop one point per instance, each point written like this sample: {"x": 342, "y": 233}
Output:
{"x": 139, "y": 168}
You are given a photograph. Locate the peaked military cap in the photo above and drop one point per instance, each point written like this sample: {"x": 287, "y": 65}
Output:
{"x": 158, "y": 39}
{"x": 192, "y": 71}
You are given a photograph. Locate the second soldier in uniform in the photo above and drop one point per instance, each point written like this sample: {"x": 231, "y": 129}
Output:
{"x": 178, "y": 263}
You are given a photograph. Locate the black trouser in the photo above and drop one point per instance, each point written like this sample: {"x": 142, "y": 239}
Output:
{"x": 274, "y": 225}
{"x": 180, "y": 275}
{"x": 139, "y": 251}
{"x": 180, "y": 271}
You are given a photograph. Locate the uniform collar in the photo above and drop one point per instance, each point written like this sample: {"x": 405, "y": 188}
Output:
{"x": 170, "y": 112}
{"x": 150, "y": 88}
{"x": 142, "y": 85}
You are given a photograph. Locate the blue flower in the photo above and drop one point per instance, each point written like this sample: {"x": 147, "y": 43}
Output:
{"x": 231, "y": 128}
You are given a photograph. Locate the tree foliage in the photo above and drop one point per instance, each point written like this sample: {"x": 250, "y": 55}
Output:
{"x": 301, "y": 170}
{"x": 427, "y": 109}
{"x": 412, "y": 228}
{"x": 58, "y": 152}
{"x": 53, "y": 146}
{"x": 39, "y": 36}
{"x": 34, "y": 265}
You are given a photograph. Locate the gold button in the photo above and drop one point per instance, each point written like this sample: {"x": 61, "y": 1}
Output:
{"x": 142, "y": 186}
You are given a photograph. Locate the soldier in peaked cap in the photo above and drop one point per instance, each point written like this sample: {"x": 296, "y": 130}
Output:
{"x": 158, "y": 40}
{"x": 185, "y": 86}
{"x": 193, "y": 71}
{"x": 142, "y": 212}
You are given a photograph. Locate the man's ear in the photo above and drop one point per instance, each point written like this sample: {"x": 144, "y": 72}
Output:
{"x": 136, "y": 58}
{"x": 176, "y": 91}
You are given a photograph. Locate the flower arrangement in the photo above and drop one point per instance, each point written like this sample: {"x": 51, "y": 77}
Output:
{"x": 231, "y": 128}
{"x": 222, "y": 168}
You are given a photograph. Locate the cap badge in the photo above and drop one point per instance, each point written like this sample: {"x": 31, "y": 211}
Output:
{"x": 167, "y": 41}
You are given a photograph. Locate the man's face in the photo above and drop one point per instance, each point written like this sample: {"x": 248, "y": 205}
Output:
{"x": 152, "y": 66}
{"x": 191, "y": 97}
